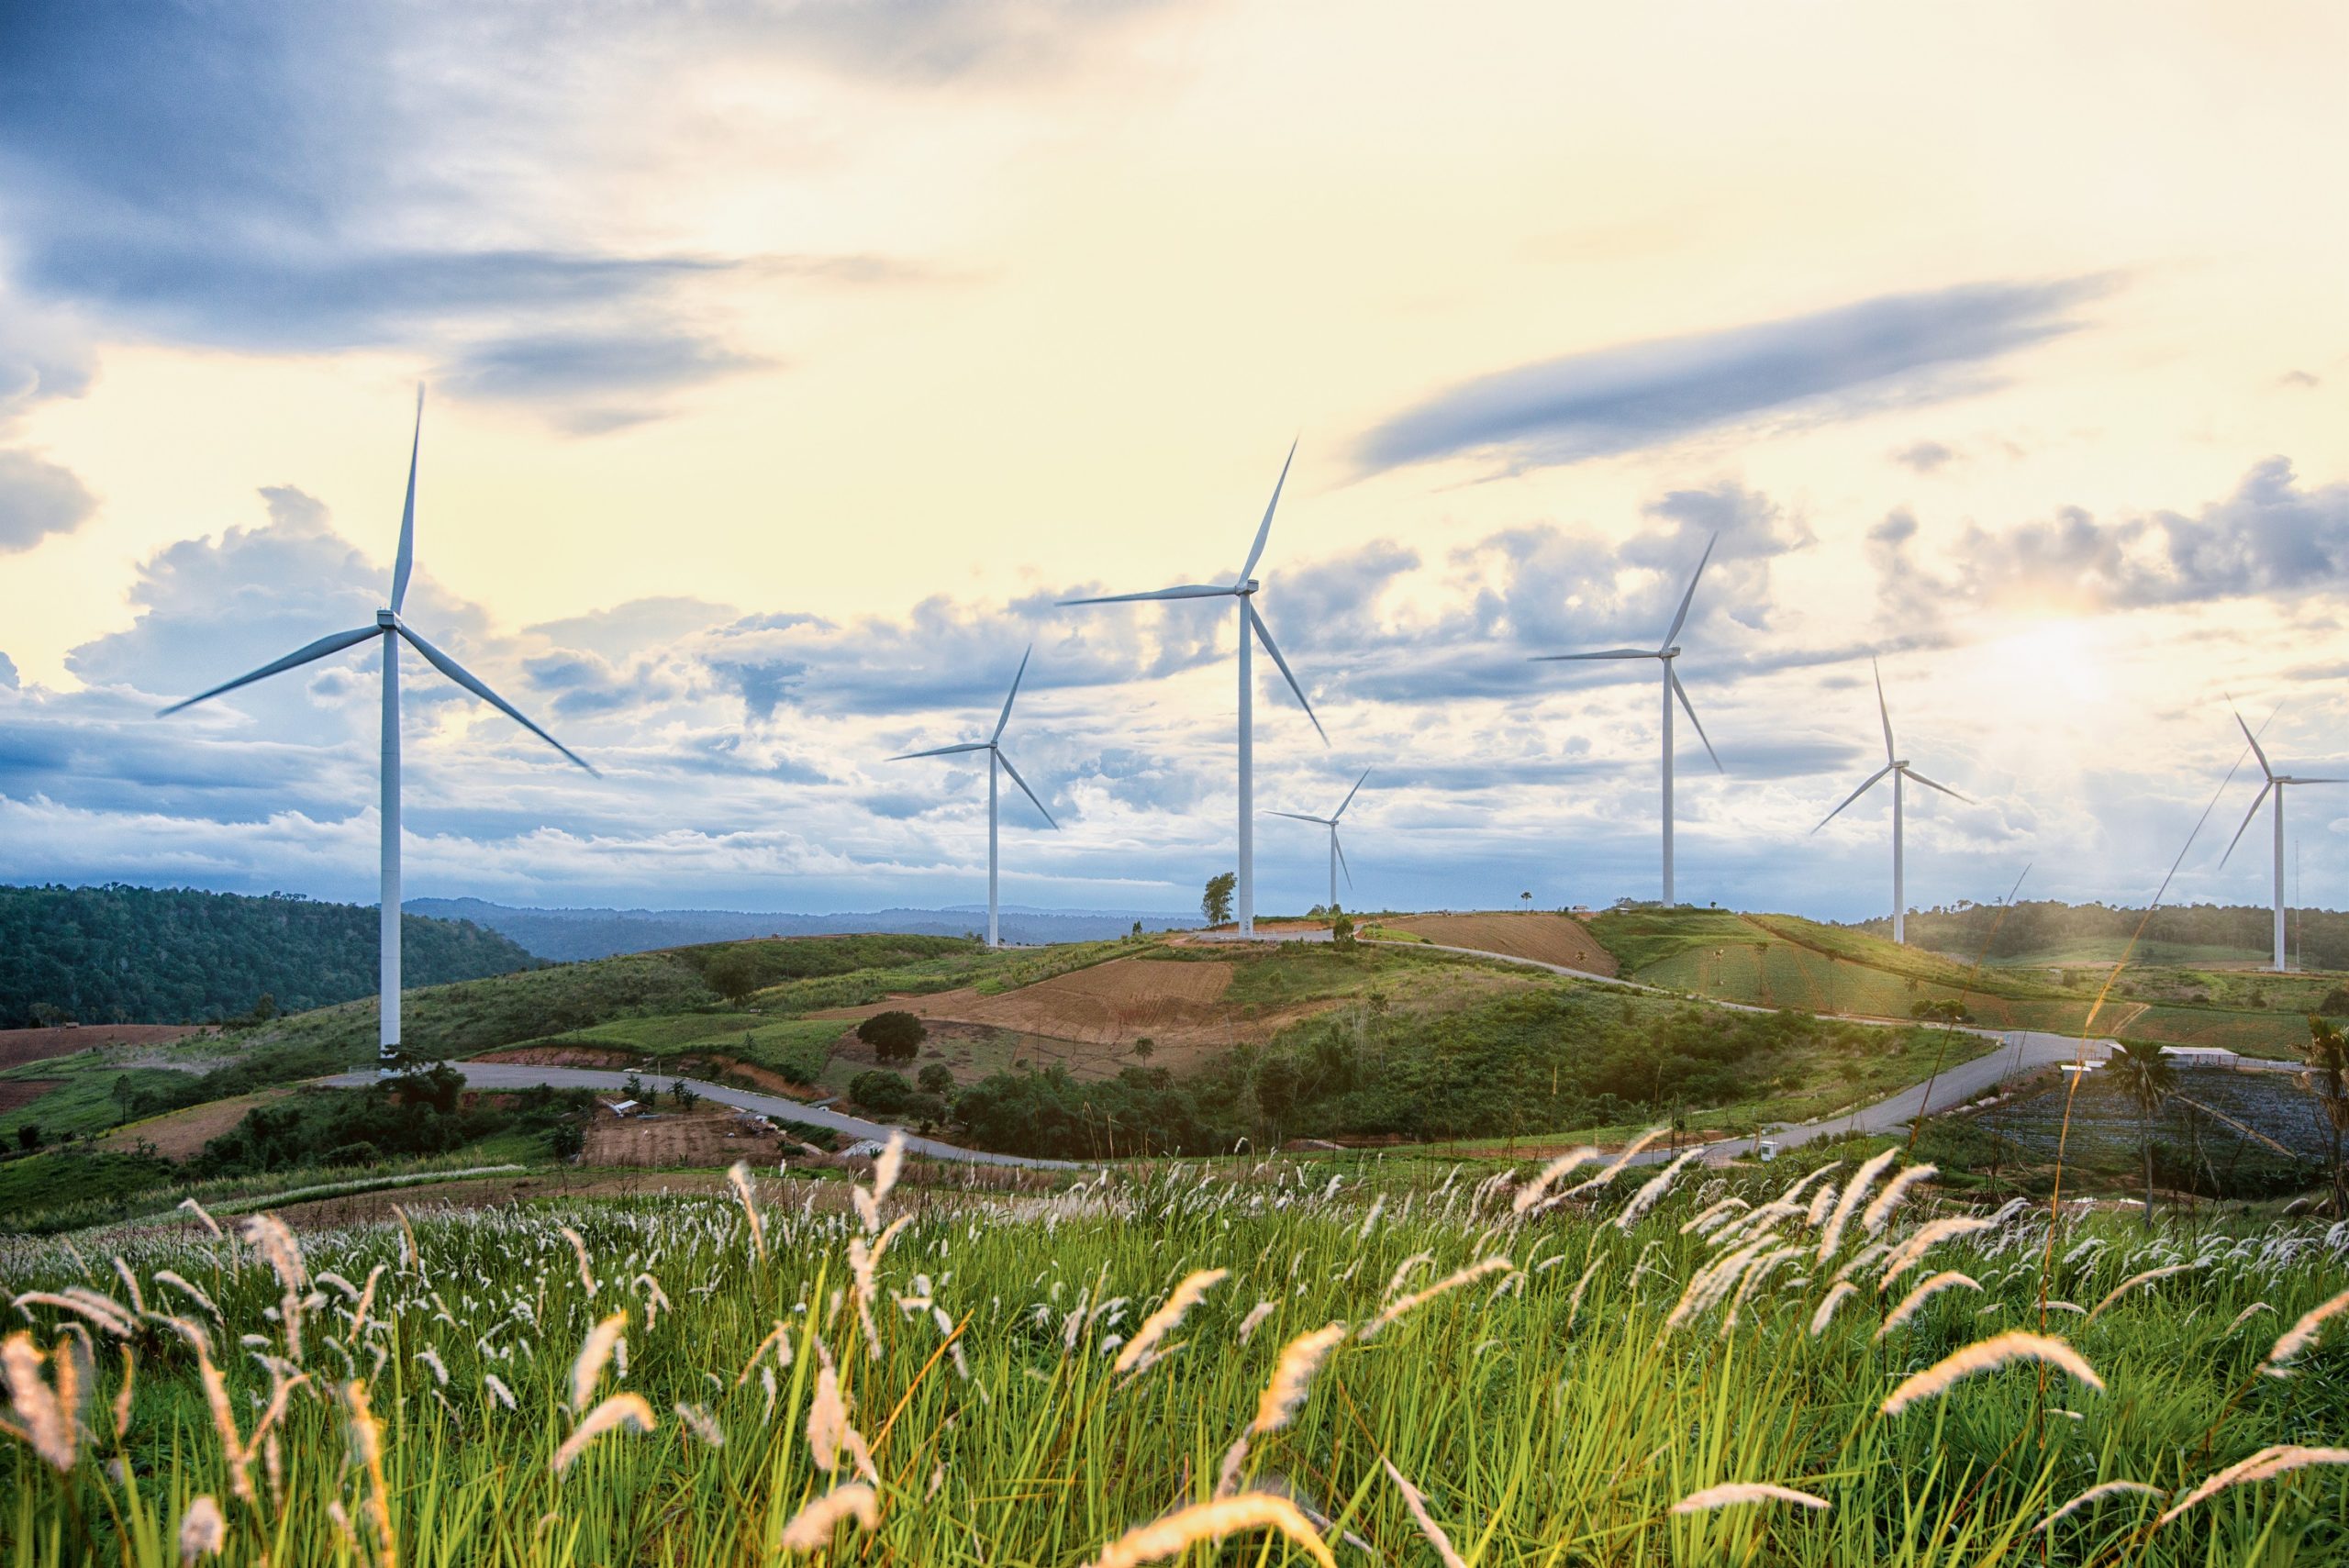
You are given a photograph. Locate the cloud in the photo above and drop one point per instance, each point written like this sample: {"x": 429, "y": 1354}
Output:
{"x": 1925, "y": 457}
{"x": 1903, "y": 348}
{"x": 2272, "y": 536}
{"x": 579, "y": 374}
{"x": 38, "y": 498}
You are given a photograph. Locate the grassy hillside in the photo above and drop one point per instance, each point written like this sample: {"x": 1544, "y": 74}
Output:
{"x": 120, "y": 954}
{"x": 2048, "y": 932}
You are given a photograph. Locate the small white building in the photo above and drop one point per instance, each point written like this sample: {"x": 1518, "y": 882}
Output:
{"x": 2200, "y": 1055}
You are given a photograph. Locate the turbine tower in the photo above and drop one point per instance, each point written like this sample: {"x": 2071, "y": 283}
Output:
{"x": 995, "y": 758}
{"x": 1663, "y": 653}
{"x": 1901, "y": 773}
{"x": 389, "y": 629}
{"x": 1252, "y": 629}
{"x": 1337, "y": 855}
{"x": 2276, "y": 783}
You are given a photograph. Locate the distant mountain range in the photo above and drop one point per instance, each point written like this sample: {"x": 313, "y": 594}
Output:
{"x": 570, "y": 934}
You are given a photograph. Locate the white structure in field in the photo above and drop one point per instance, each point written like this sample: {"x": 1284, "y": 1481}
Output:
{"x": 996, "y": 759}
{"x": 389, "y": 631}
{"x": 2275, "y": 784}
{"x": 1663, "y": 653}
{"x": 1901, "y": 773}
{"x": 1251, "y": 631}
{"x": 1337, "y": 855}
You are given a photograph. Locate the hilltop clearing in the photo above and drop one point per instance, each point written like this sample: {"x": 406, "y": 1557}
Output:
{"x": 1543, "y": 937}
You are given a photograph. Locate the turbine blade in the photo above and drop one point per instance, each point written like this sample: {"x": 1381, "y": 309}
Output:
{"x": 1265, "y": 636}
{"x": 1916, "y": 777}
{"x": 1185, "y": 591}
{"x": 1024, "y": 789}
{"x": 407, "y": 560}
{"x": 473, "y": 683}
{"x": 1609, "y": 654}
{"x": 1350, "y": 796}
{"x": 1853, "y": 795}
{"x": 2299, "y": 781}
{"x": 1342, "y": 859}
{"x": 2246, "y": 820}
{"x": 2254, "y": 747}
{"x": 1006, "y": 716}
{"x": 1265, "y": 529}
{"x": 942, "y": 751}
{"x": 1886, "y": 714}
{"x": 1300, "y": 817}
{"x": 300, "y": 656}
{"x": 1690, "y": 596}
{"x": 1682, "y": 693}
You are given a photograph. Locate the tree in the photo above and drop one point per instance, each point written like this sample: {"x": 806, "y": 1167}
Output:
{"x": 895, "y": 1035}
{"x": 124, "y": 1095}
{"x": 2328, "y": 1079}
{"x": 880, "y": 1090}
{"x": 1215, "y": 903}
{"x": 683, "y": 1092}
{"x": 29, "y": 1137}
{"x": 565, "y": 1141}
{"x": 1341, "y": 929}
{"x": 1144, "y": 1047}
{"x": 735, "y": 972}
{"x": 936, "y": 1079}
{"x": 1940, "y": 1009}
{"x": 2146, "y": 1077}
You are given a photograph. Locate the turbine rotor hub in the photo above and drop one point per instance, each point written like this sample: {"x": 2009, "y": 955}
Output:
{"x": 387, "y": 619}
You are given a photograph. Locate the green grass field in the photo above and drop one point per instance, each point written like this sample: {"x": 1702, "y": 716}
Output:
{"x": 1004, "y": 1383}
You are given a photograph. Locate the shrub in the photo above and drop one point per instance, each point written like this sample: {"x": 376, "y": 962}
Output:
{"x": 880, "y": 1091}
{"x": 894, "y": 1036}
{"x": 936, "y": 1079}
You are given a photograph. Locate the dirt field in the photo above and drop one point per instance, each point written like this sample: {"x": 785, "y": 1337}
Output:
{"x": 1543, "y": 937}
{"x": 562, "y": 1056}
{"x": 708, "y": 1135}
{"x": 19, "y": 1092}
{"x": 19, "y": 1046}
{"x": 178, "y": 1134}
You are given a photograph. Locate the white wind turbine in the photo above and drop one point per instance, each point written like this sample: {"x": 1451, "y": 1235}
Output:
{"x": 1901, "y": 773}
{"x": 994, "y": 750}
{"x": 1663, "y": 653}
{"x": 1337, "y": 855}
{"x": 2276, "y": 783}
{"x": 389, "y": 629}
{"x": 1252, "y": 628}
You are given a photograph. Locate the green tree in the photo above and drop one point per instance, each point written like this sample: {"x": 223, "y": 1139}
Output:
{"x": 1341, "y": 929}
{"x": 683, "y": 1092}
{"x": 2147, "y": 1078}
{"x": 2328, "y": 1079}
{"x": 125, "y": 1096}
{"x": 880, "y": 1091}
{"x": 1215, "y": 903}
{"x": 735, "y": 972}
{"x": 936, "y": 1079}
{"x": 895, "y": 1035}
{"x": 1144, "y": 1047}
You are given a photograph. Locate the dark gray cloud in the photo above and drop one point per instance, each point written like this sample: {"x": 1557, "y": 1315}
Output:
{"x": 1900, "y": 349}
{"x": 38, "y": 498}
{"x": 595, "y": 381}
{"x": 2272, "y": 536}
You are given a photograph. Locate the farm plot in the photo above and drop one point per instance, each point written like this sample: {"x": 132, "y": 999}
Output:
{"x": 1544, "y": 937}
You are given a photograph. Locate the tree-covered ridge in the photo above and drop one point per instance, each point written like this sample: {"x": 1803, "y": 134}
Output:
{"x": 2035, "y": 927}
{"x": 120, "y": 954}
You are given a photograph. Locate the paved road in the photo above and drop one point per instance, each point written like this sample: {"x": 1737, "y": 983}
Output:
{"x": 524, "y": 1075}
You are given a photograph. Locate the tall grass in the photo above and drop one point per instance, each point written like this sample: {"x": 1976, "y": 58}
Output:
{"x": 1527, "y": 1376}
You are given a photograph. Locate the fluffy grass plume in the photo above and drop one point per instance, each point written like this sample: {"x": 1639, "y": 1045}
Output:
{"x": 2133, "y": 1281}
{"x": 620, "y": 1409}
{"x": 1737, "y": 1494}
{"x": 1418, "y": 1505}
{"x": 588, "y": 1370}
{"x": 2302, "y": 1334}
{"x": 1911, "y": 1252}
{"x": 1834, "y": 1298}
{"x": 1533, "y": 1190}
{"x": 1451, "y": 1282}
{"x": 1292, "y": 1377}
{"x": 1910, "y": 1304}
{"x": 1212, "y": 1521}
{"x": 811, "y": 1529}
{"x": 2096, "y": 1494}
{"x": 2270, "y": 1462}
{"x": 740, "y": 1176}
{"x": 202, "y": 1529}
{"x": 1651, "y": 1190}
{"x": 1138, "y": 1351}
{"x": 1853, "y": 1191}
{"x": 45, "y": 1418}
{"x": 1986, "y": 1355}
{"x": 1879, "y": 1213}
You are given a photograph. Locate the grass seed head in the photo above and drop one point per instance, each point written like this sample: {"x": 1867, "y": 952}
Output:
{"x": 1985, "y": 1355}
{"x": 620, "y": 1409}
{"x": 1737, "y": 1494}
{"x": 1292, "y": 1377}
{"x": 202, "y": 1529}
{"x": 1212, "y": 1521}
{"x": 811, "y": 1529}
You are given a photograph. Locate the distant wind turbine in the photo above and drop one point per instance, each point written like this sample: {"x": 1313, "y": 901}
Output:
{"x": 994, "y": 750}
{"x": 389, "y": 629}
{"x": 1663, "y": 653}
{"x": 2276, "y": 783}
{"x": 1337, "y": 855}
{"x": 1252, "y": 629}
{"x": 1901, "y": 771}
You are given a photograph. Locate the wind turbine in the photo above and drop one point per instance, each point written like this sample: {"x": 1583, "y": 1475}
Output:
{"x": 389, "y": 629}
{"x": 994, "y": 757}
{"x": 1337, "y": 855}
{"x": 1251, "y": 626}
{"x": 1663, "y": 653}
{"x": 1901, "y": 773}
{"x": 2276, "y": 781}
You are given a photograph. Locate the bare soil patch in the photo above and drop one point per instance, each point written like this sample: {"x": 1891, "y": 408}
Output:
{"x": 19, "y": 1046}
{"x": 1544, "y": 937}
{"x": 17, "y": 1092}
{"x": 1178, "y": 1005}
{"x": 708, "y": 1135}
{"x": 561, "y": 1056}
{"x": 178, "y": 1134}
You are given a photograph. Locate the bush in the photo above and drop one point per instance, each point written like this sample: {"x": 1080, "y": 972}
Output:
{"x": 936, "y": 1079}
{"x": 894, "y": 1036}
{"x": 880, "y": 1091}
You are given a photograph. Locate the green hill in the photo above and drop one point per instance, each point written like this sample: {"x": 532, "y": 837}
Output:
{"x": 119, "y": 954}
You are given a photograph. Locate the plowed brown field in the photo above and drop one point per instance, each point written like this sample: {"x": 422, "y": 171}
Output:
{"x": 178, "y": 1134}
{"x": 19, "y": 1046}
{"x": 1545, "y": 938}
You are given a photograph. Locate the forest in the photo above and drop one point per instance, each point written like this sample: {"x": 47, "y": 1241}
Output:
{"x": 121, "y": 954}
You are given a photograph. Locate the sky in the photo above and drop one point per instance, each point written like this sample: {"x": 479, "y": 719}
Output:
{"x": 786, "y": 364}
